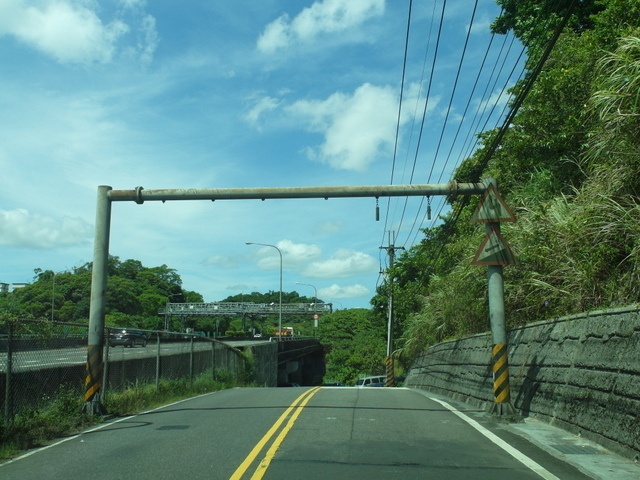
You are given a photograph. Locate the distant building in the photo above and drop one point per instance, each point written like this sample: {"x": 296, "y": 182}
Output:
{"x": 18, "y": 285}
{"x": 4, "y": 287}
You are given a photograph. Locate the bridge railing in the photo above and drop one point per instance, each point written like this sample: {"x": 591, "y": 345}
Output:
{"x": 41, "y": 359}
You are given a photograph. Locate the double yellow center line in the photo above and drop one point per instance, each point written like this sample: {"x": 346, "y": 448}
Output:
{"x": 292, "y": 413}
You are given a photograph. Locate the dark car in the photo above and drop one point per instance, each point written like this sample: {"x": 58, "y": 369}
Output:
{"x": 127, "y": 338}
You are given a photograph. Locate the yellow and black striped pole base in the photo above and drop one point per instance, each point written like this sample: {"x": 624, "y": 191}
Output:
{"x": 501, "y": 388}
{"x": 391, "y": 380}
{"x": 93, "y": 381}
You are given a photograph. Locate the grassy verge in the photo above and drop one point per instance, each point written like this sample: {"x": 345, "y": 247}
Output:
{"x": 37, "y": 426}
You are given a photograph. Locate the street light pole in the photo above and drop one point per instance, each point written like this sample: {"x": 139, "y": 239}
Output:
{"x": 315, "y": 320}
{"x": 309, "y": 285}
{"x": 280, "y": 299}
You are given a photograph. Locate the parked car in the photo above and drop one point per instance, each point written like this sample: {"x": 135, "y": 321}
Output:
{"x": 377, "y": 381}
{"x": 127, "y": 338}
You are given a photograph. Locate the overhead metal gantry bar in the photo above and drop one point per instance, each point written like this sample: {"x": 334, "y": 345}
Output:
{"x": 106, "y": 195}
{"x": 140, "y": 195}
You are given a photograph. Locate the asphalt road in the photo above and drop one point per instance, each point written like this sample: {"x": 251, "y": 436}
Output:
{"x": 296, "y": 433}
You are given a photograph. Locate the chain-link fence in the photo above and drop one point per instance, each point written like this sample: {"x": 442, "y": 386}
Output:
{"x": 39, "y": 360}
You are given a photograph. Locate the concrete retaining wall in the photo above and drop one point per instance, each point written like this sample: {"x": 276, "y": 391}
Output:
{"x": 265, "y": 363}
{"x": 581, "y": 373}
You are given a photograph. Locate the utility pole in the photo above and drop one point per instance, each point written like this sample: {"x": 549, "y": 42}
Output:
{"x": 391, "y": 250}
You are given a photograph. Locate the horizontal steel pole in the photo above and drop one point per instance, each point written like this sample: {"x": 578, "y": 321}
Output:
{"x": 139, "y": 195}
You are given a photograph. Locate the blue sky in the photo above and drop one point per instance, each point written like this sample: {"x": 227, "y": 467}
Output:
{"x": 202, "y": 94}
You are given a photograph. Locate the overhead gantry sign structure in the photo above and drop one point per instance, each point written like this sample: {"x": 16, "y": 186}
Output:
{"x": 106, "y": 196}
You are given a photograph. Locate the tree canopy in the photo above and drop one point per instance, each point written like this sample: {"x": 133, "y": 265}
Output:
{"x": 135, "y": 294}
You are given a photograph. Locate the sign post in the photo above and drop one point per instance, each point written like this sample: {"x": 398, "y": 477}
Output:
{"x": 494, "y": 252}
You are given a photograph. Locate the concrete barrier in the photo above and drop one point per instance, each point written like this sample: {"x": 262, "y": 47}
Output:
{"x": 581, "y": 373}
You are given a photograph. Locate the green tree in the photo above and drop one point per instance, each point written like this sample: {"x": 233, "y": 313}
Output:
{"x": 356, "y": 343}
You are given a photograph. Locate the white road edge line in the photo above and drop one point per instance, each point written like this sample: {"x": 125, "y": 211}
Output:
{"x": 515, "y": 453}
{"x": 98, "y": 427}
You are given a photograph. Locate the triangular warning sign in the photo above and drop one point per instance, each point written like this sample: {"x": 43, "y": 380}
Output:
{"x": 492, "y": 208}
{"x": 494, "y": 250}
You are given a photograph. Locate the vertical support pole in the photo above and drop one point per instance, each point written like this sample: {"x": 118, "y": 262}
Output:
{"x": 94, "y": 368}
{"x": 390, "y": 370}
{"x": 391, "y": 381}
{"x": 499, "y": 359}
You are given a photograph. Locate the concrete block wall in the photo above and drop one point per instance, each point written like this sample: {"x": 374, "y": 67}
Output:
{"x": 265, "y": 363}
{"x": 581, "y": 373}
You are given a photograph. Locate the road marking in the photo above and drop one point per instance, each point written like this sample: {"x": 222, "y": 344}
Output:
{"x": 98, "y": 427}
{"x": 517, "y": 454}
{"x": 297, "y": 405}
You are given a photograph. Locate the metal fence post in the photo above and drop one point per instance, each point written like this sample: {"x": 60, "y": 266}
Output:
{"x": 7, "y": 379}
{"x": 106, "y": 371}
{"x": 213, "y": 359}
{"x": 158, "y": 362}
{"x": 191, "y": 360}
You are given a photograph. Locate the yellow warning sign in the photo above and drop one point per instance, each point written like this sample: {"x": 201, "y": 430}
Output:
{"x": 494, "y": 250}
{"x": 492, "y": 208}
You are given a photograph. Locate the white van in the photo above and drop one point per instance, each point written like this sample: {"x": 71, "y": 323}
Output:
{"x": 377, "y": 381}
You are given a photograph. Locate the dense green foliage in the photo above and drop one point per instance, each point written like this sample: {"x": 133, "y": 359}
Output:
{"x": 569, "y": 166}
{"x": 356, "y": 344}
{"x": 135, "y": 294}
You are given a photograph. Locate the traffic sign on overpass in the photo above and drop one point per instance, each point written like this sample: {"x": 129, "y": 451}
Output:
{"x": 244, "y": 308}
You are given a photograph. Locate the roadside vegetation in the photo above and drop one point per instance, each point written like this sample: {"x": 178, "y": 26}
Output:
{"x": 569, "y": 166}
{"x": 35, "y": 427}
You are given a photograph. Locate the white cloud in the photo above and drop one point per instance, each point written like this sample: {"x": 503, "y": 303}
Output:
{"x": 293, "y": 255}
{"x": 149, "y": 39}
{"x": 262, "y": 105}
{"x": 222, "y": 261}
{"x": 343, "y": 263}
{"x": 327, "y": 16}
{"x": 357, "y": 129}
{"x": 72, "y": 32}
{"x": 19, "y": 228}
{"x": 329, "y": 227}
{"x": 66, "y": 30}
{"x": 133, "y": 4}
{"x": 351, "y": 291}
